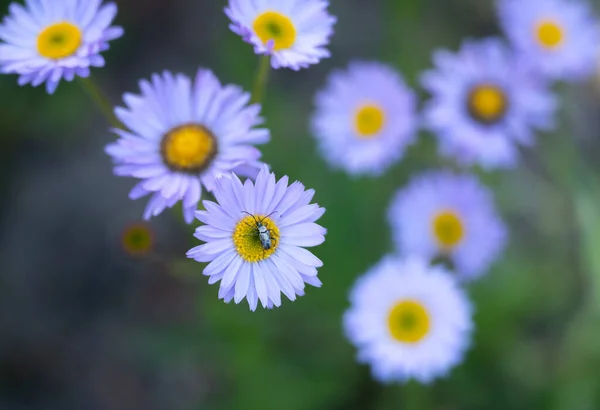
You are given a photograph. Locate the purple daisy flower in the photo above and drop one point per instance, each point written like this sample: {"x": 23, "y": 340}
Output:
{"x": 559, "y": 38}
{"x": 409, "y": 320}
{"x": 293, "y": 32}
{"x": 441, "y": 214}
{"x": 255, "y": 238}
{"x": 484, "y": 101}
{"x": 364, "y": 118}
{"x": 50, "y": 40}
{"x": 183, "y": 136}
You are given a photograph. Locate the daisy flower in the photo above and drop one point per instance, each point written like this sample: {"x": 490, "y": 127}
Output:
{"x": 182, "y": 136}
{"x": 364, "y": 119}
{"x": 445, "y": 215}
{"x": 408, "y": 320}
{"x": 559, "y": 38}
{"x": 50, "y": 40}
{"x": 293, "y": 32}
{"x": 255, "y": 237}
{"x": 483, "y": 103}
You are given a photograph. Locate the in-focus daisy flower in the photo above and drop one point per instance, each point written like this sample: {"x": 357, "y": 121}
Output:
{"x": 137, "y": 239}
{"x": 451, "y": 216}
{"x": 559, "y": 38}
{"x": 182, "y": 136}
{"x": 255, "y": 238}
{"x": 50, "y": 40}
{"x": 365, "y": 117}
{"x": 484, "y": 102}
{"x": 408, "y": 320}
{"x": 293, "y": 32}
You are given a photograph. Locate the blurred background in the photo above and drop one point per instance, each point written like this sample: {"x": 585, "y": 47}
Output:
{"x": 85, "y": 323}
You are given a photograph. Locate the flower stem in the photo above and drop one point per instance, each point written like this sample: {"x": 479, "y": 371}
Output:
{"x": 262, "y": 76}
{"x": 93, "y": 90}
{"x": 416, "y": 396}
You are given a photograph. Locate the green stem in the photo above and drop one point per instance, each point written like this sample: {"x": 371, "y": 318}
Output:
{"x": 93, "y": 90}
{"x": 262, "y": 76}
{"x": 416, "y": 396}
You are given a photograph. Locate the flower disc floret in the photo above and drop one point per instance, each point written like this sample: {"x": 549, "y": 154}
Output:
{"x": 246, "y": 238}
{"x": 50, "y": 40}
{"x": 272, "y": 26}
{"x": 188, "y": 148}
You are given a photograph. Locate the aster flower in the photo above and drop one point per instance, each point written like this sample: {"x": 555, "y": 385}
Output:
{"x": 408, "y": 320}
{"x": 255, "y": 238}
{"x": 559, "y": 38}
{"x": 182, "y": 136}
{"x": 445, "y": 215}
{"x": 50, "y": 40}
{"x": 293, "y": 32}
{"x": 483, "y": 103}
{"x": 364, "y": 118}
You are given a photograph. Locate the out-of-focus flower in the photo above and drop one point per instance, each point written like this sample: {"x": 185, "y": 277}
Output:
{"x": 483, "y": 103}
{"x": 50, "y": 40}
{"x": 255, "y": 238}
{"x": 183, "y": 136}
{"x": 293, "y": 32}
{"x": 408, "y": 320}
{"x": 365, "y": 117}
{"x": 441, "y": 214}
{"x": 137, "y": 239}
{"x": 559, "y": 38}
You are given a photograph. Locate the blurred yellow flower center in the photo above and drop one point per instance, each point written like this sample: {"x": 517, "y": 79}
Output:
{"x": 59, "y": 40}
{"x": 247, "y": 238}
{"x": 448, "y": 229}
{"x": 137, "y": 239}
{"x": 188, "y": 148}
{"x": 271, "y": 25}
{"x": 549, "y": 33}
{"x": 487, "y": 103}
{"x": 369, "y": 120}
{"x": 408, "y": 321}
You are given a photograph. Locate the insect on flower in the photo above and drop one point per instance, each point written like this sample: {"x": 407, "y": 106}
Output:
{"x": 265, "y": 235}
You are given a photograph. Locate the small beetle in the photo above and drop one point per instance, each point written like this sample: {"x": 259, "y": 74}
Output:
{"x": 264, "y": 234}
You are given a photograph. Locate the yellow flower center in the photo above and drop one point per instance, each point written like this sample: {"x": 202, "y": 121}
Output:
{"x": 408, "y": 321}
{"x": 250, "y": 244}
{"x": 137, "y": 239}
{"x": 369, "y": 120}
{"x": 487, "y": 103}
{"x": 271, "y": 25}
{"x": 448, "y": 229}
{"x": 549, "y": 34}
{"x": 188, "y": 148}
{"x": 59, "y": 40}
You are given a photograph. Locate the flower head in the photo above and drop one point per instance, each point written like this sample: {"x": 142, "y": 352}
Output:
{"x": 50, "y": 40}
{"x": 408, "y": 320}
{"x": 293, "y": 32}
{"x": 137, "y": 239}
{"x": 255, "y": 238}
{"x": 441, "y": 214}
{"x": 559, "y": 38}
{"x": 364, "y": 118}
{"x": 182, "y": 136}
{"x": 484, "y": 102}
